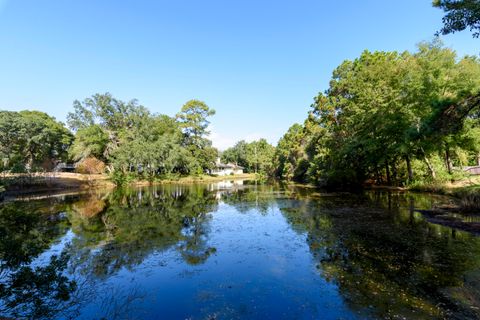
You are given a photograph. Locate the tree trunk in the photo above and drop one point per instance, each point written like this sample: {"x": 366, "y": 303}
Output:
{"x": 378, "y": 177}
{"x": 448, "y": 161}
{"x": 430, "y": 167}
{"x": 388, "y": 172}
{"x": 394, "y": 173}
{"x": 409, "y": 168}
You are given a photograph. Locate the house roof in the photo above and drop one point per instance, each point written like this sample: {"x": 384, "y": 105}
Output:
{"x": 227, "y": 166}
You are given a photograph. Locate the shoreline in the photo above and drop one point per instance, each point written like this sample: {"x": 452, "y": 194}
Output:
{"x": 194, "y": 179}
{"x": 45, "y": 185}
{"x": 61, "y": 183}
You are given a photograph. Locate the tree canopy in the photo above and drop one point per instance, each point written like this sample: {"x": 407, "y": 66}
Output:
{"x": 384, "y": 118}
{"x": 31, "y": 140}
{"x": 256, "y": 156}
{"x": 133, "y": 141}
{"x": 460, "y": 15}
{"x": 123, "y": 137}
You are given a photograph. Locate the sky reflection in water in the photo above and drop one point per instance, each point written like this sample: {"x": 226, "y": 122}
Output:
{"x": 234, "y": 251}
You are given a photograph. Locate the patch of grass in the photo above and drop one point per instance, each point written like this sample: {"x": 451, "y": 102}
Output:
{"x": 430, "y": 186}
{"x": 467, "y": 191}
{"x": 191, "y": 179}
{"x": 469, "y": 198}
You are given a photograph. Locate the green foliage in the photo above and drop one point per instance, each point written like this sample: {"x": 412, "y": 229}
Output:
{"x": 460, "y": 15}
{"x": 291, "y": 158}
{"x": 256, "y": 156}
{"x": 236, "y": 154}
{"x": 31, "y": 140}
{"x": 102, "y": 123}
{"x": 193, "y": 121}
{"x": 383, "y": 113}
{"x": 137, "y": 144}
{"x": 121, "y": 178}
{"x": 89, "y": 141}
{"x": 110, "y": 113}
{"x": 469, "y": 198}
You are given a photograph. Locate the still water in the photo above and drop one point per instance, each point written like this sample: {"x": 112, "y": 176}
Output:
{"x": 234, "y": 250}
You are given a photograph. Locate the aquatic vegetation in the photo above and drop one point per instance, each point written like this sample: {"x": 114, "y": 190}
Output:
{"x": 249, "y": 250}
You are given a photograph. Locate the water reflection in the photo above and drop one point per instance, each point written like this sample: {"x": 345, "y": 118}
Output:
{"x": 369, "y": 255}
{"x": 26, "y": 290}
{"x": 392, "y": 263}
{"x": 138, "y": 222}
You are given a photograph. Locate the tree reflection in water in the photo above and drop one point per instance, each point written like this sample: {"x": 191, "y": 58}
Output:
{"x": 387, "y": 260}
{"x": 383, "y": 257}
{"x": 28, "y": 291}
{"x": 137, "y": 223}
{"x": 111, "y": 231}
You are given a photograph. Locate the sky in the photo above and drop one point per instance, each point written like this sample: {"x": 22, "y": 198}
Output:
{"x": 257, "y": 63}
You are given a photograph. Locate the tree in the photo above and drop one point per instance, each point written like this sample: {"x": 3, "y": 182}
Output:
{"x": 193, "y": 120}
{"x": 153, "y": 147}
{"x": 290, "y": 155}
{"x": 460, "y": 15}
{"x": 256, "y": 156}
{"x": 388, "y": 117}
{"x": 237, "y": 154}
{"x": 133, "y": 141}
{"x": 115, "y": 117}
{"x": 89, "y": 141}
{"x": 32, "y": 140}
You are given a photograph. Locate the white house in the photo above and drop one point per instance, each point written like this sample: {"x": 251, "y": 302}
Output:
{"x": 475, "y": 170}
{"x": 226, "y": 169}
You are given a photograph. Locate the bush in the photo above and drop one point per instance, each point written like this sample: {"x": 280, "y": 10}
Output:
{"x": 90, "y": 165}
{"x": 120, "y": 178}
{"x": 428, "y": 186}
{"x": 469, "y": 199}
{"x": 18, "y": 167}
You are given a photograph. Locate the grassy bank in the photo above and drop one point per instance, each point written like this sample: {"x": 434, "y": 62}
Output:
{"x": 52, "y": 182}
{"x": 195, "y": 179}
{"x": 467, "y": 191}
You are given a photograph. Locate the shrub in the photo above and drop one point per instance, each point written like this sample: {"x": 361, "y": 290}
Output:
{"x": 120, "y": 178}
{"x": 90, "y": 165}
{"x": 469, "y": 199}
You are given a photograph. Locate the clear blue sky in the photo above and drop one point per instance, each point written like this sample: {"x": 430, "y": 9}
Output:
{"x": 258, "y": 63}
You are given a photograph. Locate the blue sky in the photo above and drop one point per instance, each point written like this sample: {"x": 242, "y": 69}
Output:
{"x": 257, "y": 63}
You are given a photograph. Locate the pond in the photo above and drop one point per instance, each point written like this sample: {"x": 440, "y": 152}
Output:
{"x": 234, "y": 250}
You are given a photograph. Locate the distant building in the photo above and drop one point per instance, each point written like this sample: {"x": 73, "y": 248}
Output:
{"x": 64, "y": 167}
{"x": 226, "y": 169}
{"x": 475, "y": 170}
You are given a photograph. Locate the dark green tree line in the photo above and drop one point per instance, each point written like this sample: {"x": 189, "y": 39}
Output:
{"x": 379, "y": 121}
